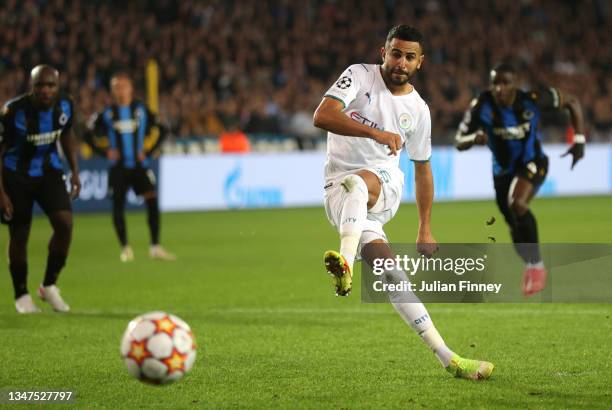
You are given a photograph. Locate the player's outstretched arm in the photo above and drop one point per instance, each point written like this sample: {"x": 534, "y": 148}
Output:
{"x": 423, "y": 178}
{"x": 467, "y": 141}
{"x": 470, "y": 131}
{"x": 329, "y": 116}
{"x": 572, "y": 104}
{"x": 69, "y": 146}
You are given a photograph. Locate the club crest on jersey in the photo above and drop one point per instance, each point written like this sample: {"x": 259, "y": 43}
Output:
{"x": 405, "y": 121}
{"x": 528, "y": 114}
{"x": 63, "y": 119}
{"x": 344, "y": 82}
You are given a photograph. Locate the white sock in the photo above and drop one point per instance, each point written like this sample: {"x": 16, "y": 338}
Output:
{"x": 353, "y": 215}
{"x": 538, "y": 264}
{"x": 414, "y": 313}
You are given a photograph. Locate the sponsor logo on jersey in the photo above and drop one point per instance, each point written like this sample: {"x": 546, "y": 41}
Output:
{"x": 126, "y": 126}
{"x": 63, "y": 119}
{"x": 517, "y": 132}
{"x": 360, "y": 118}
{"x": 44, "y": 138}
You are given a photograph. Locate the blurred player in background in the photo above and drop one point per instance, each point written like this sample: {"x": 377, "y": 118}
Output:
{"x": 370, "y": 113}
{"x": 31, "y": 171}
{"x": 125, "y": 124}
{"x": 506, "y": 119}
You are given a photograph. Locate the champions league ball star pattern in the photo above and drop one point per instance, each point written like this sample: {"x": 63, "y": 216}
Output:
{"x": 158, "y": 348}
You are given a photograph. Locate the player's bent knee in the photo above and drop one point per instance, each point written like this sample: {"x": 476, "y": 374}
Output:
{"x": 519, "y": 207}
{"x": 354, "y": 183}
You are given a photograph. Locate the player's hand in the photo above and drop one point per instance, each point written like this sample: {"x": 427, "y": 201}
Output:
{"x": 6, "y": 206}
{"x": 75, "y": 185}
{"x": 481, "y": 138}
{"x": 112, "y": 154}
{"x": 426, "y": 244}
{"x": 391, "y": 140}
{"x": 577, "y": 151}
{"x": 141, "y": 156}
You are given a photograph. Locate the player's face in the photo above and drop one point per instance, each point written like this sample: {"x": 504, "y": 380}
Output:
{"x": 45, "y": 87}
{"x": 122, "y": 90}
{"x": 503, "y": 85}
{"x": 401, "y": 59}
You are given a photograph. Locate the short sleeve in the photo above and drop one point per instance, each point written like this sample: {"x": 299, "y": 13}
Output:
{"x": 418, "y": 145}
{"x": 347, "y": 86}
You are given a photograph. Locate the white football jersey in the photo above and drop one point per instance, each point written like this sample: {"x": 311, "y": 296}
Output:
{"x": 367, "y": 100}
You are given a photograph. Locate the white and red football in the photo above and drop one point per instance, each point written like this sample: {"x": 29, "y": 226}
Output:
{"x": 158, "y": 348}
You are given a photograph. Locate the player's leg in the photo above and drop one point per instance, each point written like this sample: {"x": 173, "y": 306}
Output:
{"x": 153, "y": 219}
{"x": 360, "y": 192}
{"x": 20, "y": 191}
{"x": 55, "y": 201}
{"x": 502, "y": 188}
{"x": 18, "y": 266}
{"x": 521, "y": 193}
{"x": 61, "y": 222}
{"x": 534, "y": 277}
{"x": 118, "y": 186}
{"x": 414, "y": 313}
{"x": 145, "y": 185}
{"x": 355, "y": 193}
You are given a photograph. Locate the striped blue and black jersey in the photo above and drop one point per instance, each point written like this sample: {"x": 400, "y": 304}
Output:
{"x": 513, "y": 132}
{"x": 125, "y": 128}
{"x": 30, "y": 135}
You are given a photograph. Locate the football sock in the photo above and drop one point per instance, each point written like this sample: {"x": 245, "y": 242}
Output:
{"x": 414, "y": 313}
{"x": 19, "y": 273}
{"x": 55, "y": 263}
{"x": 153, "y": 219}
{"x": 119, "y": 221}
{"x": 353, "y": 215}
{"x": 527, "y": 233}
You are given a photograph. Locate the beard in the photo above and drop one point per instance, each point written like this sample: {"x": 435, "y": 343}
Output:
{"x": 397, "y": 77}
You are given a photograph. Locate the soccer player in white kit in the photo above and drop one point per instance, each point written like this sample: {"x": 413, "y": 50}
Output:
{"x": 370, "y": 113}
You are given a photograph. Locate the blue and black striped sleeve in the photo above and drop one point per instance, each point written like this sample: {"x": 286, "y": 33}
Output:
{"x": 110, "y": 130}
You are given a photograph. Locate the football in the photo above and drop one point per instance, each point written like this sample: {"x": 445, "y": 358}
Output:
{"x": 158, "y": 348}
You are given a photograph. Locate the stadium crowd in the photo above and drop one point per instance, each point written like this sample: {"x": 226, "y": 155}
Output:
{"x": 262, "y": 66}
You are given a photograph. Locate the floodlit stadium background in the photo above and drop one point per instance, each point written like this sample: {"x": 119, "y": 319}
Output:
{"x": 262, "y": 67}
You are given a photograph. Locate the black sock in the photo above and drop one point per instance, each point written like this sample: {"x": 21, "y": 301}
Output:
{"x": 119, "y": 221}
{"x": 19, "y": 273}
{"x": 153, "y": 219}
{"x": 525, "y": 237}
{"x": 55, "y": 263}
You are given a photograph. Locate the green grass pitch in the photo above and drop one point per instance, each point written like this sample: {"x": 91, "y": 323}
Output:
{"x": 272, "y": 335}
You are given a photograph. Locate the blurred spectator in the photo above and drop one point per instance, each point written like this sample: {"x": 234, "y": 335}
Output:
{"x": 234, "y": 140}
{"x": 267, "y": 62}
